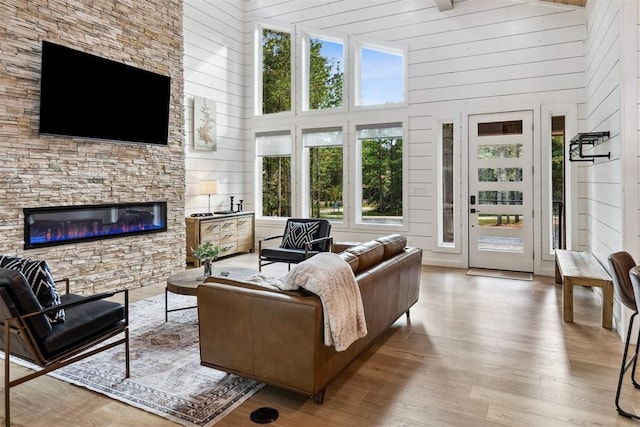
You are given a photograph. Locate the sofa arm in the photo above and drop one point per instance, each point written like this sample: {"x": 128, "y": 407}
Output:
{"x": 267, "y": 335}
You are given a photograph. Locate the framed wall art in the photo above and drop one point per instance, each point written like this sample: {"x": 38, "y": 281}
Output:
{"x": 204, "y": 124}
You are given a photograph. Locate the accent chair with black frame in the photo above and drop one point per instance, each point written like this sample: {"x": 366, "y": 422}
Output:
{"x": 29, "y": 333}
{"x": 621, "y": 264}
{"x": 302, "y": 238}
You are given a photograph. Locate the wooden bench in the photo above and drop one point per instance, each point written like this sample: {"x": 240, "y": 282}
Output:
{"x": 582, "y": 268}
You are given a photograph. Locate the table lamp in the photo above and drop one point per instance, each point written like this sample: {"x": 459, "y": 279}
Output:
{"x": 209, "y": 187}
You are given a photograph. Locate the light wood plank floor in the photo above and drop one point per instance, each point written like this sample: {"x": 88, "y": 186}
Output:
{"x": 476, "y": 351}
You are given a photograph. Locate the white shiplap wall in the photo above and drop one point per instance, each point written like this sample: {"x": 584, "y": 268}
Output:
{"x": 213, "y": 62}
{"x": 601, "y": 182}
{"x": 481, "y": 56}
{"x": 609, "y": 188}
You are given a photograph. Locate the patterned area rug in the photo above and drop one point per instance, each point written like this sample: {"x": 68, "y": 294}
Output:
{"x": 166, "y": 376}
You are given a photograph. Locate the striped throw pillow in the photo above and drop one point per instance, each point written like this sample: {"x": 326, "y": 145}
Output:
{"x": 299, "y": 233}
{"x": 40, "y": 278}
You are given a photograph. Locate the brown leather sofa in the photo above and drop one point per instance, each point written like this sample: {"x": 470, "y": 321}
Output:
{"x": 276, "y": 337}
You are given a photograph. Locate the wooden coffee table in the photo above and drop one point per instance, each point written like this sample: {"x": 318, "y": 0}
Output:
{"x": 186, "y": 283}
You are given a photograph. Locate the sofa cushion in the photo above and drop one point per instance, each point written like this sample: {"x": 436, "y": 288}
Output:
{"x": 298, "y": 234}
{"x": 285, "y": 254}
{"x": 369, "y": 254}
{"x": 40, "y": 278}
{"x": 393, "y": 244}
{"x": 351, "y": 259}
{"x": 83, "y": 321}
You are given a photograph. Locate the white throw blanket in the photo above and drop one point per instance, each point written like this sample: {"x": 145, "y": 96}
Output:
{"x": 331, "y": 278}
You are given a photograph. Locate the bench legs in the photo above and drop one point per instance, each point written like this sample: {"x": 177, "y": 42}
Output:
{"x": 607, "y": 302}
{"x": 607, "y": 305}
{"x": 567, "y": 300}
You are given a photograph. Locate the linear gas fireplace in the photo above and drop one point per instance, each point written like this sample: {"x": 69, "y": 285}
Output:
{"x": 70, "y": 224}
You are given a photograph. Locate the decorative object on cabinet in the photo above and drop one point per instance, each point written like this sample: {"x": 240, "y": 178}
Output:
{"x": 230, "y": 211}
{"x": 588, "y": 138}
{"x": 232, "y": 233}
{"x": 204, "y": 124}
{"x": 209, "y": 187}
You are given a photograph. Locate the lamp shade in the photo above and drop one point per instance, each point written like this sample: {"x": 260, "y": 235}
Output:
{"x": 209, "y": 187}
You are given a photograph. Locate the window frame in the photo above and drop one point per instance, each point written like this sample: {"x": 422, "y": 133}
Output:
{"x": 258, "y": 172}
{"x": 440, "y": 245}
{"x": 348, "y": 117}
{"x": 305, "y": 169}
{"x": 258, "y": 91}
{"x": 355, "y": 78}
{"x": 356, "y": 174}
{"x": 304, "y": 35}
{"x": 569, "y": 111}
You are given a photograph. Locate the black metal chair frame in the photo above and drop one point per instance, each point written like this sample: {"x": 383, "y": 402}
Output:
{"x": 17, "y": 327}
{"x": 308, "y": 247}
{"x": 627, "y": 362}
{"x": 307, "y": 250}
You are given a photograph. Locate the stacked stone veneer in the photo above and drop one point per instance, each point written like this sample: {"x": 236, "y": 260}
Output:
{"x": 53, "y": 171}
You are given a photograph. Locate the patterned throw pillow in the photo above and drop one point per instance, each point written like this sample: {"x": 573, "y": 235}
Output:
{"x": 299, "y": 233}
{"x": 39, "y": 277}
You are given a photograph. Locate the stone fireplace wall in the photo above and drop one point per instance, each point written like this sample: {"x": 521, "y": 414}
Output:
{"x": 38, "y": 171}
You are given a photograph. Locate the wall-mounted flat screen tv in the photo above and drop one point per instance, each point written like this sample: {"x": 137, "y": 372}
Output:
{"x": 84, "y": 95}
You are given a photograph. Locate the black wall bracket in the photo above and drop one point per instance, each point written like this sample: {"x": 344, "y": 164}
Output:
{"x": 591, "y": 139}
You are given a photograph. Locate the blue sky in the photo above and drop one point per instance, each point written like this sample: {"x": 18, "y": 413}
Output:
{"x": 382, "y": 80}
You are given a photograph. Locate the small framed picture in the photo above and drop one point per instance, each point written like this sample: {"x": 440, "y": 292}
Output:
{"x": 204, "y": 124}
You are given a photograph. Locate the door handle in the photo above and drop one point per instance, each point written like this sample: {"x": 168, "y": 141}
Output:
{"x": 472, "y": 210}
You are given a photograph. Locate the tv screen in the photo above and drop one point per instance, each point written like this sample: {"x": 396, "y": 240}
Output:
{"x": 84, "y": 95}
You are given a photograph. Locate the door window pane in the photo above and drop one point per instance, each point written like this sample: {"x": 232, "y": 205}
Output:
{"x": 500, "y": 151}
{"x": 500, "y": 197}
{"x": 500, "y": 174}
{"x": 501, "y": 244}
{"x": 500, "y": 220}
{"x": 512, "y": 127}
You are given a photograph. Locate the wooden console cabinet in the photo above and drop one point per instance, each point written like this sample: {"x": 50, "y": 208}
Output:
{"x": 234, "y": 233}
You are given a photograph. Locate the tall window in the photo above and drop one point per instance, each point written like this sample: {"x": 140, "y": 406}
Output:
{"x": 275, "y": 86}
{"x": 323, "y": 73}
{"x": 558, "y": 223}
{"x": 274, "y": 155}
{"x": 323, "y": 149}
{"x": 380, "y": 76}
{"x": 381, "y": 181}
{"x": 446, "y": 232}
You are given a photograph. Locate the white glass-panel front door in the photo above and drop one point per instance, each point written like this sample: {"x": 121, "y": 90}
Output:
{"x": 500, "y": 191}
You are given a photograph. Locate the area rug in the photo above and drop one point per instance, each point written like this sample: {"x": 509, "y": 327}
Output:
{"x": 166, "y": 376}
{"x": 500, "y": 274}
